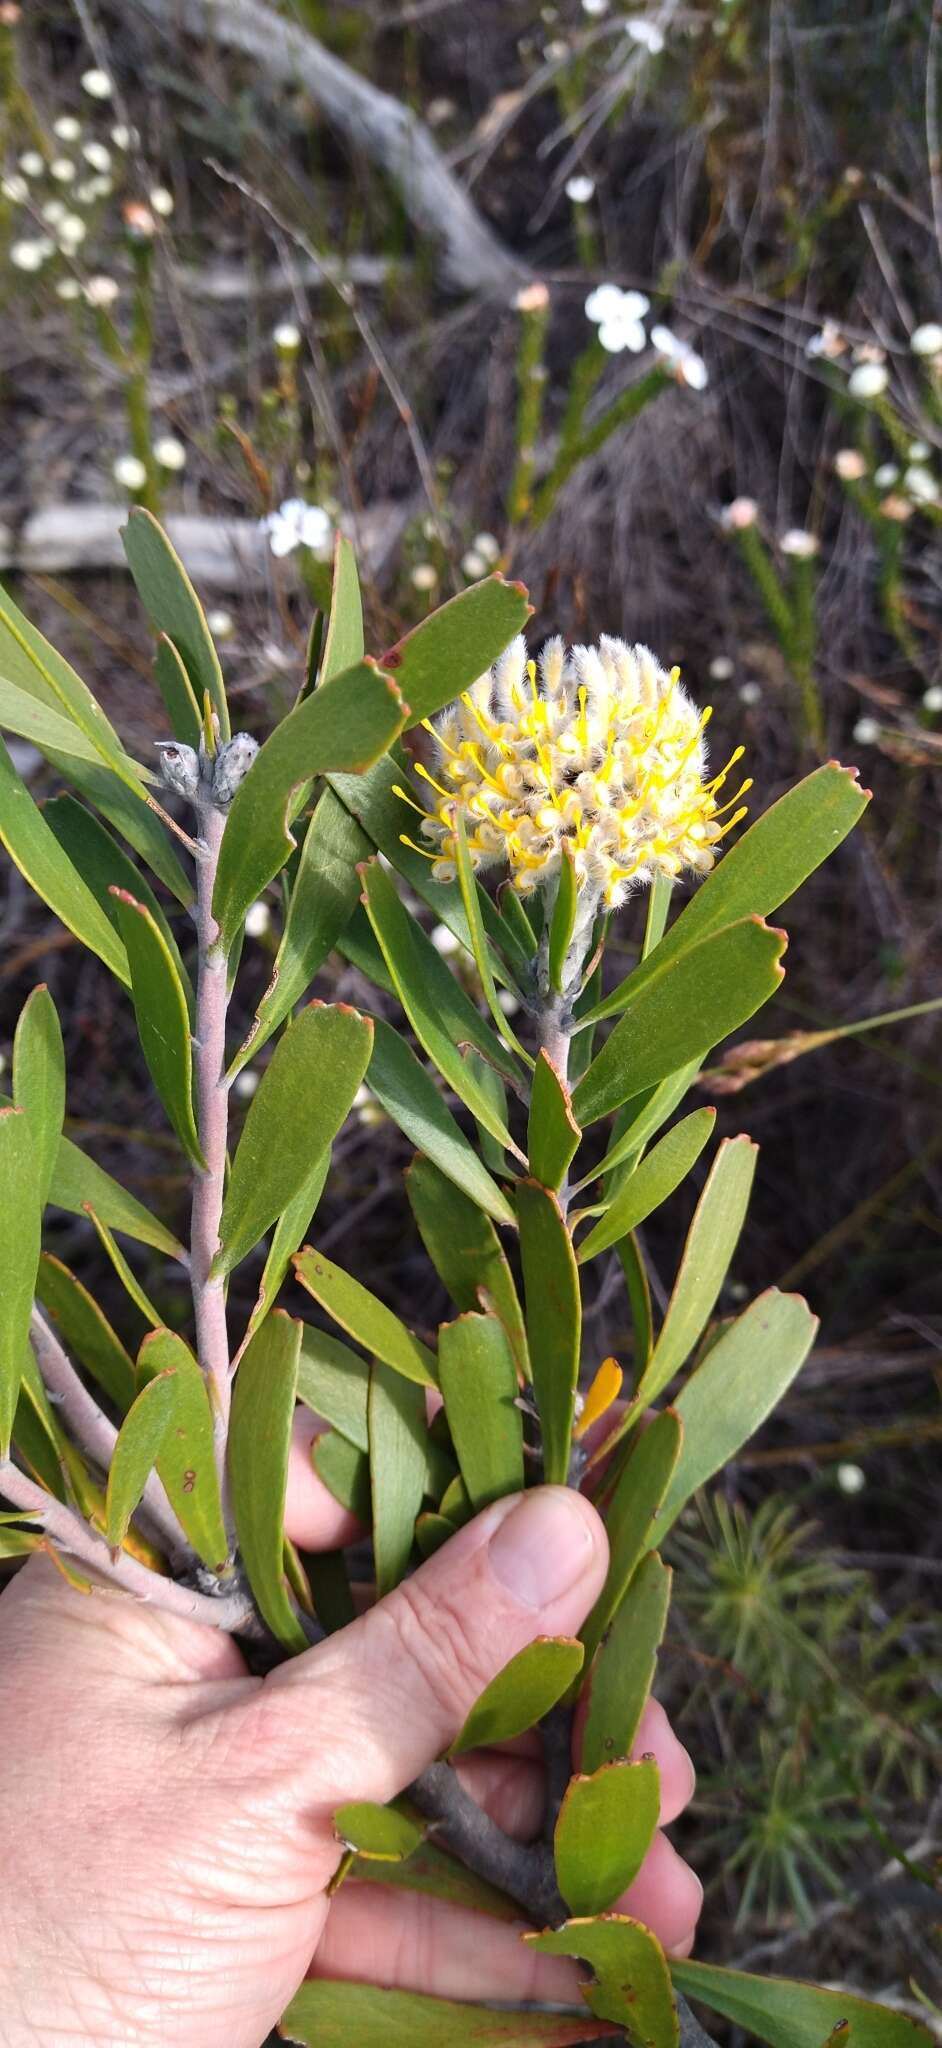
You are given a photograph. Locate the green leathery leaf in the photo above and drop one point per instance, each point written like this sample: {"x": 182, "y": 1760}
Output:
{"x": 563, "y": 919}
{"x": 379, "y": 1833}
{"x": 455, "y": 1502}
{"x": 478, "y": 1379}
{"x": 324, "y": 2014}
{"x": 34, "y": 848}
{"x": 140, "y": 823}
{"x": 633, "y": 1987}
{"x": 520, "y": 930}
{"x": 465, "y": 1250}
{"x": 86, "y": 1331}
{"x": 410, "y": 1097}
{"x": 102, "y": 863}
{"x": 659, "y": 903}
{"x": 526, "y": 1689}
{"x": 787, "y": 2014}
{"x": 384, "y": 816}
{"x": 651, "y": 1183}
{"x": 554, "y": 1320}
{"x": 742, "y": 1378}
{"x": 139, "y": 1442}
{"x": 344, "y": 724}
{"x": 18, "y": 1543}
{"x": 641, "y": 1120}
{"x": 442, "y": 1016}
{"x": 176, "y": 689}
{"x": 553, "y": 1135}
{"x": 364, "y": 1317}
{"x": 163, "y": 1017}
{"x": 448, "y": 651}
{"x": 344, "y": 642}
{"x": 79, "y": 1184}
{"x": 333, "y": 1382}
{"x": 686, "y": 1005}
{"x": 126, "y": 1275}
{"x": 623, "y": 1672}
{"x": 259, "y": 1447}
{"x": 431, "y": 1531}
{"x": 357, "y": 944}
{"x": 760, "y": 871}
{"x": 39, "y": 1080}
{"x": 491, "y": 1085}
{"x": 174, "y": 609}
{"x": 603, "y": 1832}
{"x": 433, "y": 1873}
{"x": 37, "y": 670}
{"x": 397, "y": 1430}
{"x": 329, "y": 1587}
{"x": 20, "y": 1222}
{"x": 635, "y": 1271}
{"x": 290, "y": 1231}
{"x": 302, "y": 1100}
{"x": 32, "y": 719}
{"x": 636, "y": 1517}
{"x": 345, "y": 1472}
{"x": 39, "y": 1446}
{"x": 471, "y": 898}
{"x": 324, "y": 894}
{"x": 711, "y": 1242}
{"x": 186, "y": 1459}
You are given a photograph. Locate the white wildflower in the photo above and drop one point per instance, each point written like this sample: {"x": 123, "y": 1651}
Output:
{"x": 97, "y": 84}
{"x": 580, "y": 189}
{"x": 866, "y": 732}
{"x": 850, "y": 465}
{"x": 689, "y": 368}
{"x": 287, "y": 337}
{"x": 750, "y": 693}
{"x": 920, "y": 485}
{"x": 932, "y": 698}
{"x": 32, "y": 164}
{"x": 618, "y": 315}
{"x": 53, "y": 211}
{"x": 221, "y": 624}
{"x": 71, "y": 231}
{"x": 161, "y": 202}
{"x": 170, "y": 452}
{"x": 424, "y": 576}
{"x": 67, "y": 128}
{"x": 297, "y": 524}
{"x": 927, "y": 339}
{"x": 473, "y": 565}
{"x": 62, "y": 169}
{"x": 868, "y": 380}
{"x": 14, "y": 188}
{"x": 851, "y": 1478}
{"x": 531, "y": 298}
{"x": 829, "y": 342}
{"x": 919, "y": 451}
{"x": 799, "y": 543}
{"x": 488, "y": 545}
{"x": 32, "y": 253}
{"x": 721, "y": 668}
{"x": 68, "y": 288}
{"x": 886, "y": 476}
{"x": 102, "y": 291}
{"x": 96, "y": 154}
{"x": 595, "y": 7}
{"x": 646, "y": 33}
{"x": 257, "y": 920}
{"x": 739, "y": 514}
{"x": 130, "y": 472}
{"x": 122, "y": 136}
{"x": 444, "y": 941}
{"x": 246, "y": 1083}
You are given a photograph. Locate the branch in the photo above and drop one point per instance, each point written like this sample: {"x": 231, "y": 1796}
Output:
{"x": 219, "y": 554}
{"x": 234, "y": 1612}
{"x": 526, "y": 1873}
{"x": 372, "y": 121}
{"x": 94, "y": 1435}
{"x": 212, "y": 1095}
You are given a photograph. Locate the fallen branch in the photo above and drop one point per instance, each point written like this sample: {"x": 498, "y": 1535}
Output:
{"x": 372, "y": 121}
{"x": 220, "y": 554}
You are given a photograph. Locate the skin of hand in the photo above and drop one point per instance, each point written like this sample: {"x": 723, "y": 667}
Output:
{"x": 167, "y": 1828}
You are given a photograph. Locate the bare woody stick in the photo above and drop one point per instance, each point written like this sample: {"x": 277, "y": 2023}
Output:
{"x": 209, "y": 1052}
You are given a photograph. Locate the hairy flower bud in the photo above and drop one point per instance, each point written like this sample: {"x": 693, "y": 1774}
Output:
{"x": 231, "y": 766}
{"x": 180, "y": 768}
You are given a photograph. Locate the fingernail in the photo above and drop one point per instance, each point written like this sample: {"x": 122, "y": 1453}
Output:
{"x": 543, "y": 1547}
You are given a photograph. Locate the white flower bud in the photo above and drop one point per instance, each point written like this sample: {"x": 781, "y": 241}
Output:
{"x": 62, "y": 169}
{"x": 130, "y": 472}
{"x": 866, "y": 732}
{"x": 97, "y": 84}
{"x": 101, "y": 291}
{"x": 257, "y": 920}
{"x": 31, "y": 164}
{"x": 804, "y": 546}
{"x": 721, "y": 668}
{"x": 926, "y": 340}
{"x": 850, "y": 465}
{"x": 851, "y": 1478}
{"x": 67, "y": 128}
{"x": 161, "y": 202}
{"x": 221, "y": 624}
{"x": 231, "y": 766}
{"x": 170, "y": 452}
{"x": 424, "y": 576}
{"x": 98, "y": 155}
{"x": 932, "y": 698}
{"x": 287, "y": 337}
{"x": 869, "y": 380}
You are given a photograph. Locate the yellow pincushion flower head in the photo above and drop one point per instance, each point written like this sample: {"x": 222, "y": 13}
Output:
{"x": 598, "y": 749}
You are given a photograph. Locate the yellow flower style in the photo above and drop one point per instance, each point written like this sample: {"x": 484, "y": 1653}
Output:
{"x": 598, "y": 750}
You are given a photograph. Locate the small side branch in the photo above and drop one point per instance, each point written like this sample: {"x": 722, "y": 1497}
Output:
{"x": 94, "y": 1435}
{"x": 232, "y": 1612}
{"x": 526, "y": 1873}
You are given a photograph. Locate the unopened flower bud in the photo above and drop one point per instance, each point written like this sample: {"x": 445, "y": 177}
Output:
{"x": 231, "y": 766}
{"x": 180, "y": 768}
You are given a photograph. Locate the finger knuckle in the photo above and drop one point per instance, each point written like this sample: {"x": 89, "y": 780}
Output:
{"x": 436, "y": 1638}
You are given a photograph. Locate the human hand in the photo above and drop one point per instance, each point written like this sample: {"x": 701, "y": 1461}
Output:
{"x": 167, "y": 1817}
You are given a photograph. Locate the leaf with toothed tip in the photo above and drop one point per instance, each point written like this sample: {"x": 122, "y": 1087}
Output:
{"x": 379, "y": 1833}
{"x": 302, "y": 1100}
{"x": 684, "y": 1005}
{"x": 345, "y": 725}
{"x": 795, "y": 2015}
{"x": 604, "y": 1829}
{"x": 711, "y": 1242}
{"x": 633, "y": 1986}
{"x": 760, "y": 872}
{"x": 456, "y": 644}
{"x": 163, "y": 1018}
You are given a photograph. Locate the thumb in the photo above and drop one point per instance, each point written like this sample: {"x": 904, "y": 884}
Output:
{"x": 377, "y": 1702}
